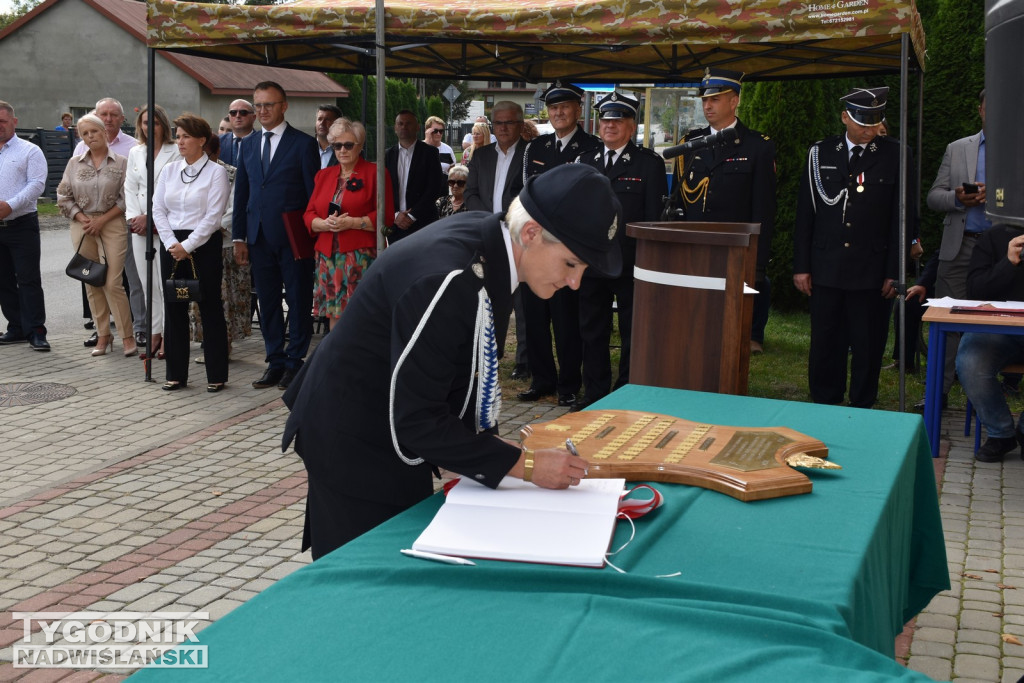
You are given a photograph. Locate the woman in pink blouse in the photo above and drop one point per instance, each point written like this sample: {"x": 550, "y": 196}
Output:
{"x": 91, "y": 194}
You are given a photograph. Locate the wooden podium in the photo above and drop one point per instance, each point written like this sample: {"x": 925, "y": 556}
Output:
{"x": 691, "y": 318}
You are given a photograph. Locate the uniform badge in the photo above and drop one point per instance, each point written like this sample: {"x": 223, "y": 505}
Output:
{"x": 625, "y": 158}
{"x": 840, "y": 146}
{"x": 873, "y": 147}
{"x": 613, "y": 228}
{"x": 615, "y": 97}
{"x": 478, "y": 270}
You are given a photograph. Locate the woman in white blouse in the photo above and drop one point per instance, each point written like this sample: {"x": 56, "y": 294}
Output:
{"x": 164, "y": 151}
{"x": 188, "y": 204}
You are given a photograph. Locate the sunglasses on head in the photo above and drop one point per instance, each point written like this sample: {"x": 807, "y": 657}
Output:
{"x": 239, "y": 112}
{"x": 342, "y": 145}
{"x": 457, "y": 183}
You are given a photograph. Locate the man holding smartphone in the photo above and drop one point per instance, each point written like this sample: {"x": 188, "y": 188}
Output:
{"x": 959, "y": 191}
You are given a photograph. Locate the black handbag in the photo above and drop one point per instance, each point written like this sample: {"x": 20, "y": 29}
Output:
{"x": 180, "y": 290}
{"x": 88, "y": 271}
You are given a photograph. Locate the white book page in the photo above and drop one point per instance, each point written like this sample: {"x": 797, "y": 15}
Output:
{"x": 571, "y": 526}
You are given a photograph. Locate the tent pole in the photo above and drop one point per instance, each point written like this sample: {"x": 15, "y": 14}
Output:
{"x": 366, "y": 84}
{"x": 150, "y": 158}
{"x": 902, "y": 282}
{"x": 379, "y": 52}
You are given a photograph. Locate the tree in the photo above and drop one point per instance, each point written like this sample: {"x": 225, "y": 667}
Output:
{"x": 18, "y": 9}
{"x": 437, "y": 86}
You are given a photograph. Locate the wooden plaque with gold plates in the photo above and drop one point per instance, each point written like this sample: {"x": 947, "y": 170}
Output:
{"x": 748, "y": 463}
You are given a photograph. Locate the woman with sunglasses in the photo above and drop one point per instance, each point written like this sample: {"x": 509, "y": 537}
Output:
{"x": 454, "y": 203}
{"x": 342, "y": 217}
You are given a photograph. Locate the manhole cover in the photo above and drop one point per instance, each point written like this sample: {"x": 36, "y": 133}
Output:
{"x": 28, "y": 393}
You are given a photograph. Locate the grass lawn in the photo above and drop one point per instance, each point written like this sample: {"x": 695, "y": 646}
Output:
{"x": 781, "y": 371}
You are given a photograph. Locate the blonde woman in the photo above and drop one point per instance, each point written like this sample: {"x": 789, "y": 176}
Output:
{"x": 481, "y": 138}
{"x": 163, "y": 151}
{"x": 91, "y": 194}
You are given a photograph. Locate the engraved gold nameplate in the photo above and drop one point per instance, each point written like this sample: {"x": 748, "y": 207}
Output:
{"x": 747, "y": 463}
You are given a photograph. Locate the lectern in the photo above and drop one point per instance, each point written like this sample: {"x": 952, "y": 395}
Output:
{"x": 691, "y": 315}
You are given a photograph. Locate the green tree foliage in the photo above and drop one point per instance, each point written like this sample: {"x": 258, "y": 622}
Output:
{"x": 437, "y": 86}
{"x": 954, "y": 76}
{"x": 18, "y": 8}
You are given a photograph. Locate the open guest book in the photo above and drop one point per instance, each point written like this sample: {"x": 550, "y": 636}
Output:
{"x": 521, "y": 522}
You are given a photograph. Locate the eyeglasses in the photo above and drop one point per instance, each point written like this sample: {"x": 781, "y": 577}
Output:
{"x": 503, "y": 124}
{"x": 437, "y": 130}
{"x": 342, "y": 145}
{"x": 457, "y": 183}
{"x": 239, "y": 112}
{"x": 260, "y": 106}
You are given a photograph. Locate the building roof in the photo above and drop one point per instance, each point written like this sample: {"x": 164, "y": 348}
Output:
{"x": 219, "y": 76}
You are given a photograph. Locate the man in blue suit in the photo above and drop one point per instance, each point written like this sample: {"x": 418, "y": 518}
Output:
{"x": 275, "y": 176}
{"x": 242, "y": 117}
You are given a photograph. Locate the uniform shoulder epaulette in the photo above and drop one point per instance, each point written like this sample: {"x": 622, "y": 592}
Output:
{"x": 648, "y": 151}
{"x": 696, "y": 132}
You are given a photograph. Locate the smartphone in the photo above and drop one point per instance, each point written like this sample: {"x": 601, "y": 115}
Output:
{"x": 970, "y": 188}
{"x": 335, "y": 208}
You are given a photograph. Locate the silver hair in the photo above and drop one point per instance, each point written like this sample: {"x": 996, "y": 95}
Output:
{"x": 458, "y": 169}
{"x": 109, "y": 99}
{"x": 517, "y": 218}
{"x": 508, "y": 105}
{"x": 345, "y": 125}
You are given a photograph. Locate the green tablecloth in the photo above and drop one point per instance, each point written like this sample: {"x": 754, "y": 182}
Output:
{"x": 812, "y": 587}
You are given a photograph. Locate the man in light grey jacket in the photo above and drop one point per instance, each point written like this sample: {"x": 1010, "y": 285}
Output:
{"x": 959, "y": 190}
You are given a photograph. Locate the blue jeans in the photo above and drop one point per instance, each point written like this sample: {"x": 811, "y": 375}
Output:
{"x": 979, "y": 359}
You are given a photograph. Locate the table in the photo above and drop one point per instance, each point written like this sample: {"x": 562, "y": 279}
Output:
{"x": 943, "y": 320}
{"x": 812, "y": 587}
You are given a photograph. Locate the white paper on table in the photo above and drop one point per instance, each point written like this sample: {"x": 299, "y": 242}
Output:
{"x": 949, "y": 302}
{"x": 522, "y": 522}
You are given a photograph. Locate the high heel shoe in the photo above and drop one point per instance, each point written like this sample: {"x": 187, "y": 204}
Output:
{"x": 157, "y": 342}
{"x": 103, "y": 345}
{"x": 132, "y": 350}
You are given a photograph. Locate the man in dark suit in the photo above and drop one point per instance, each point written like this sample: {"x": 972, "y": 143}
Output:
{"x": 275, "y": 176}
{"x": 564, "y": 102}
{"x": 846, "y": 249}
{"x": 638, "y": 179}
{"x": 242, "y": 118}
{"x": 383, "y": 402}
{"x": 732, "y": 183}
{"x": 417, "y": 182}
{"x": 495, "y": 179}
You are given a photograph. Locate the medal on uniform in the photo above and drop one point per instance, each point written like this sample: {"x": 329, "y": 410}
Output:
{"x": 860, "y": 183}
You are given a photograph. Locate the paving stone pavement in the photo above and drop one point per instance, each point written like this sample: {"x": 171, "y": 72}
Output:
{"x": 125, "y": 497}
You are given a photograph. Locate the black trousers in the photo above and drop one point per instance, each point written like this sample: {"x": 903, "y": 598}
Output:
{"x": 21, "y": 288}
{"x": 561, "y": 312}
{"x": 596, "y": 297}
{"x": 177, "y": 342}
{"x": 845, "y": 324}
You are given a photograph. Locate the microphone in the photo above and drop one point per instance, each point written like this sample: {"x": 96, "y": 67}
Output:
{"x": 722, "y": 137}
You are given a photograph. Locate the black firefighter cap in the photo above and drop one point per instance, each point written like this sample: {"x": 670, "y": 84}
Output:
{"x": 615, "y": 105}
{"x": 866, "y": 106}
{"x": 717, "y": 81}
{"x": 562, "y": 92}
{"x": 575, "y": 203}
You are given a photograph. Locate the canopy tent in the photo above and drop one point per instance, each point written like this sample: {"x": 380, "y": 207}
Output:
{"x": 623, "y": 41}
{"x": 598, "y": 41}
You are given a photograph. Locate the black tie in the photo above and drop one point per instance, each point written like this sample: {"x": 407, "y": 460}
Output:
{"x": 266, "y": 152}
{"x": 558, "y": 146}
{"x": 855, "y": 154}
{"x": 236, "y": 150}
{"x": 611, "y": 160}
